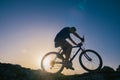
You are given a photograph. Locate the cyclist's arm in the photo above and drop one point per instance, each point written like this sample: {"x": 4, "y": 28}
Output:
{"x": 77, "y": 36}
{"x": 72, "y": 41}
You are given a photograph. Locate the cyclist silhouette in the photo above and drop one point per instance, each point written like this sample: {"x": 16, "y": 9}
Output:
{"x": 60, "y": 41}
{"x": 57, "y": 62}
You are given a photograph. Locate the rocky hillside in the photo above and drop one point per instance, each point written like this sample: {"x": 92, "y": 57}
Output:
{"x": 16, "y": 72}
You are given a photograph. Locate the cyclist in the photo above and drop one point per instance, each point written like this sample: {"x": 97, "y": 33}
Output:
{"x": 60, "y": 41}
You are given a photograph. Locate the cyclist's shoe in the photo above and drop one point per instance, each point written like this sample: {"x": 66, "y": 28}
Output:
{"x": 68, "y": 65}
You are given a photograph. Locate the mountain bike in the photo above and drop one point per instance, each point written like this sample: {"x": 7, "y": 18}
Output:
{"x": 54, "y": 62}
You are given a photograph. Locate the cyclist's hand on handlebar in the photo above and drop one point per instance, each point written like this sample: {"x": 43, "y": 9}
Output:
{"x": 82, "y": 39}
{"x": 79, "y": 44}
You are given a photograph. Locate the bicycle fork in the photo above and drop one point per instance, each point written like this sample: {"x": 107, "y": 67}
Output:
{"x": 88, "y": 58}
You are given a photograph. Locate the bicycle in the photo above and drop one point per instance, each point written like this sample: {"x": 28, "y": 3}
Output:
{"x": 54, "y": 62}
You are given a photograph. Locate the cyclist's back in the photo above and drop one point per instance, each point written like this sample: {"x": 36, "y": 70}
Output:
{"x": 62, "y": 35}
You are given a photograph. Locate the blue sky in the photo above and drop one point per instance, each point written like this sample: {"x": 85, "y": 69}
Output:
{"x": 28, "y": 28}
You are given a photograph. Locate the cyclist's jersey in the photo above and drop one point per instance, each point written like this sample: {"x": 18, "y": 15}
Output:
{"x": 62, "y": 35}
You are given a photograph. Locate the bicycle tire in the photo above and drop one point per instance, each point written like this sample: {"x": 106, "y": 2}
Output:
{"x": 61, "y": 58}
{"x": 94, "y": 53}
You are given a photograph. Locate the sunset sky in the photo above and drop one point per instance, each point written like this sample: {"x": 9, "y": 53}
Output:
{"x": 28, "y": 28}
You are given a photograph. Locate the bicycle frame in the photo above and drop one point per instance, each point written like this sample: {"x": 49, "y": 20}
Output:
{"x": 71, "y": 59}
{"x": 80, "y": 48}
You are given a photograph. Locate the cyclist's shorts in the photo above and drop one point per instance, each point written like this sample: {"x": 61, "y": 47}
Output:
{"x": 63, "y": 44}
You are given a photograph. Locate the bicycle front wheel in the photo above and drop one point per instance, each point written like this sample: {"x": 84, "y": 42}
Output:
{"x": 90, "y": 60}
{"x": 52, "y": 62}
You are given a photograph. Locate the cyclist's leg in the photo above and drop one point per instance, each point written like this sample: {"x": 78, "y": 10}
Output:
{"x": 68, "y": 49}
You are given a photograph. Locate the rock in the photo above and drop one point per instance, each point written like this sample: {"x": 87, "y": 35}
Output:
{"x": 107, "y": 69}
{"x": 118, "y": 69}
{"x": 17, "y": 72}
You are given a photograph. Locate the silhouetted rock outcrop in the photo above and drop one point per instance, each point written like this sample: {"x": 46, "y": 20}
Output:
{"x": 118, "y": 69}
{"x": 109, "y": 73}
{"x": 107, "y": 69}
{"x": 16, "y": 72}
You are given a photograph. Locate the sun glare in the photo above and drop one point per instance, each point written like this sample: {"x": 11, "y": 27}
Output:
{"x": 47, "y": 62}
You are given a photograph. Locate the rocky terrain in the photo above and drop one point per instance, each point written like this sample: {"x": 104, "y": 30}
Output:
{"x": 16, "y": 72}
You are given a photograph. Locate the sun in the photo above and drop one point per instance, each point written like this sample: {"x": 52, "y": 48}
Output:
{"x": 47, "y": 62}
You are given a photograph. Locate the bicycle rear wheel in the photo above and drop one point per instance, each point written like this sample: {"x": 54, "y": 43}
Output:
{"x": 90, "y": 60}
{"x": 52, "y": 62}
